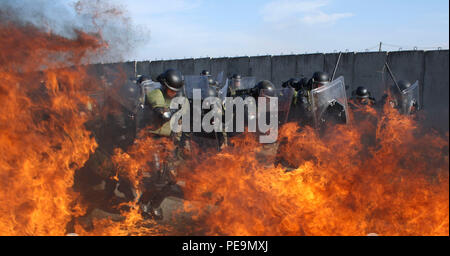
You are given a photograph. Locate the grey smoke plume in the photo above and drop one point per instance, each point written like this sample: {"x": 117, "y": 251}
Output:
{"x": 65, "y": 17}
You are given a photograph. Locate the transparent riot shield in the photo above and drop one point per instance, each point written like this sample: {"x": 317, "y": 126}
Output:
{"x": 285, "y": 97}
{"x": 410, "y": 99}
{"x": 220, "y": 78}
{"x": 128, "y": 95}
{"x": 195, "y": 82}
{"x": 222, "y": 92}
{"x": 330, "y": 102}
{"x": 244, "y": 83}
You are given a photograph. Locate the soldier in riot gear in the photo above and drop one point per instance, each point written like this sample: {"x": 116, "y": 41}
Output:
{"x": 206, "y": 140}
{"x": 159, "y": 114}
{"x": 362, "y": 96}
{"x": 235, "y": 84}
{"x": 291, "y": 83}
{"x": 211, "y": 81}
{"x": 405, "y": 97}
{"x": 296, "y": 85}
{"x": 205, "y": 73}
{"x": 263, "y": 85}
{"x": 396, "y": 92}
{"x": 302, "y": 110}
{"x": 319, "y": 79}
{"x": 310, "y": 93}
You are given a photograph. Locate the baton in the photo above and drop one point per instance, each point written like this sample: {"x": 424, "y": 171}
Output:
{"x": 336, "y": 66}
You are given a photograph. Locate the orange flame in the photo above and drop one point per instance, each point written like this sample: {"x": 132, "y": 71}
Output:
{"x": 398, "y": 185}
{"x": 43, "y": 140}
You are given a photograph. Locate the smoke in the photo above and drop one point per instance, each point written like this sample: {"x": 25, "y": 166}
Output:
{"x": 110, "y": 21}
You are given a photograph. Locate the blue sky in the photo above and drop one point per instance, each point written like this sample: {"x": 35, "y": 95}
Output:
{"x": 195, "y": 28}
{"x": 214, "y": 28}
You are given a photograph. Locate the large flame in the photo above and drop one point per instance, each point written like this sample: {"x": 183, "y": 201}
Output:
{"x": 383, "y": 174}
{"x": 342, "y": 185}
{"x": 42, "y": 140}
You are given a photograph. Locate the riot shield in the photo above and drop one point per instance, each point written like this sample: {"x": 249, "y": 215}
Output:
{"x": 285, "y": 97}
{"x": 244, "y": 83}
{"x": 128, "y": 95}
{"x": 222, "y": 92}
{"x": 330, "y": 101}
{"x": 195, "y": 82}
{"x": 410, "y": 99}
{"x": 220, "y": 78}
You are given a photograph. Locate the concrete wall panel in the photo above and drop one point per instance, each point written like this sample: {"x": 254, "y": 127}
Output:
{"x": 239, "y": 65}
{"x": 186, "y": 66}
{"x": 170, "y": 64}
{"x": 307, "y": 64}
{"x": 283, "y": 68}
{"x": 201, "y": 64}
{"x": 156, "y": 68}
{"x": 345, "y": 68}
{"x": 218, "y": 65}
{"x": 368, "y": 72}
{"x": 436, "y": 90}
{"x": 143, "y": 68}
{"x": 260, "y": 67}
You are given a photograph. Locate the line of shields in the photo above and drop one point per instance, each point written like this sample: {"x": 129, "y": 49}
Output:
{"x": 329, "y": 102}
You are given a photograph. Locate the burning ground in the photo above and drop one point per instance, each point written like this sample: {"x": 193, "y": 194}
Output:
{"x": 383, "y": 174}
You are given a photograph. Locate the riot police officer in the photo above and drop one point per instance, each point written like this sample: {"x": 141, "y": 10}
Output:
{"x": 302, "y": 110}
{"x": 211, "y": 81}
{"x": 159, "y": 99}
{"x": 405, "y": 97}
{"x": 235, "y": 84}
{"x": 158, "y": 102}
{"x": 318, "y": 79}
{"x": 362, "y": 96}
{"x": 265, "y": 85}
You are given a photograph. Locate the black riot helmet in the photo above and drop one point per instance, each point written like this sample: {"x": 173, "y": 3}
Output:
{"x": 142, "y": 78}
{"x": 397, "y": 90}
{"x": 403, "y": 85}
{"x": 210, "y": 92}
{"x": 172, "y": 79}
{"x": 205, "y": 73}
{"x": 362, "y": 93}
{"x": 264, "y": 85}
{"x": 212, "y": 82}
{"x": 319, "y": 79}
{"x": 290, "y": 83}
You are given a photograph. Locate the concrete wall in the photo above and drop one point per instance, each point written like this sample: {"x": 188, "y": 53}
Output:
{"x": 143, "y": 68}
{"x": 283, "y": 68}
{"x": 261, "y": 67}
{"x": 368, "y": 71}
{"x": 307, "y": 64}
{"x": 238, "y": 66}
{"x": 218, "y": 65}
{"x": 201, "y": 64}
{"x": 435, "y": 89}
{"x": 156, "y": 68}
{"x": 345, "y": 68}
{"x": 359, "y": 69}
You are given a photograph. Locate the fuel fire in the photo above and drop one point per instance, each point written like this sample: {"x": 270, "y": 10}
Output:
{"x": 382, "y": 174}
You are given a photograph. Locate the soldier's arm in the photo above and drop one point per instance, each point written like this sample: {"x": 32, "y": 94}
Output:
{"x": 157, "y": 103}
